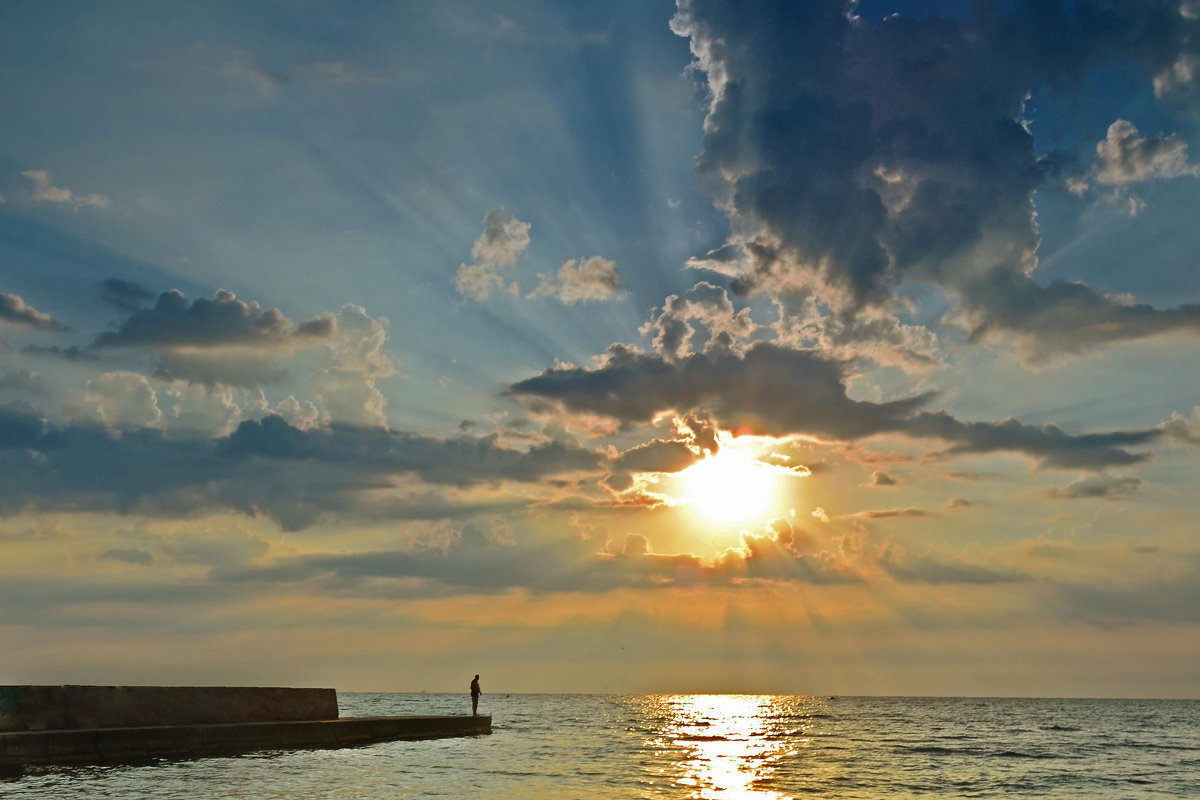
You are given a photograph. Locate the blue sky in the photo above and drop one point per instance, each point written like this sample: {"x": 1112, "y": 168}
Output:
{"x": 795, "y": 347}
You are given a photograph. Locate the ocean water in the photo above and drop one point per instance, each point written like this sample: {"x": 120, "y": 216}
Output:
{"x": 706, "y": 746}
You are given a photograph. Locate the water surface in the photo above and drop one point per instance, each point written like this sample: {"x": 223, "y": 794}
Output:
{"x": 706, "y": 746}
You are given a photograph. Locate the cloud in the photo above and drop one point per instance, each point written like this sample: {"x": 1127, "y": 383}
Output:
{"x": 1096, "y": 487}
{"x": 72, "y": 353}
{"x": 1185, "y": 430}
{"x": 504, "y": 238}
{"x": 124, "y": 400}
{"x": 206, "y": 410}
{"x": 234, "y": 366}
{"x": 890, "y": 513}
{"x": 44, "y": 191}
{"x": 1171, "y": 595}
{"x": 783, "y": 392}
{"x": 580, "y": 281}
{"x": 222, "y": 340}
{"x": 21, "y": 426}
{"x": 460, "y": 461}
{"x": 784, "y": 552}
{"x": 854, "y": 157}
{"x": 267, "y": 467}
{"x": 1049, "y": 444}
{"x": 710, "y": 306}
{"x": 347, "y": 396}
{"x": 125, "y": 295}
{"x": 298, "y": 415}
{"x": 881, "y": 478}
{"x": 928, "y": 568}
{"x": 335, "y": 73}
{"x": 22, "y": 381}
{"x": 347, "y": 390}
{"x": 778, "y": 390}
{"x": 14, "y": 311}
{"x": 1061, "y": 317}
{"x": 659, "y": 455}
{"x": 474, "y": 561}
{"x": 222, "y": 321}
{"x": 128, "y": 555}
{"x": 1125, "y": 157}
{"x": 241, "y": 67}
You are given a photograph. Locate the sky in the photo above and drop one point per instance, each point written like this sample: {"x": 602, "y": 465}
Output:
{"x": 807, "y": 347}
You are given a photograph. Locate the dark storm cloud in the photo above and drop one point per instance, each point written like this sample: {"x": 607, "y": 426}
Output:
{"x": 1062, "y": 317}
{"x": 224, "y": 320}
{"x": 854, "y": 156}
{"x": 125, "y": 295}
{"x": 267, "y": 468}
{"x": 1049, "y": 444}
{"x": 15, "y": 311}
{"x": 776, "y": 390}
{"x": 460, "y": 461}
{"x": 659, "y": 455}
{"x": 780, "y": 391}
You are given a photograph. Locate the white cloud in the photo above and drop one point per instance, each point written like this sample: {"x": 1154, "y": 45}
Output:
{"x": 1177, "y": 77}
{"x": 349, "y": 397}
{"x": 44, "y": 191}
{"x": 358, "y": 346}
{"x": 241, "y": 67}
{"x": 210, "y": 410}
{"x": 299, "y": 415}
{"x": 711, "y": 307}
{"x": 1183, "y": 429}
{"x": 504, "y": 238}
{"x": 347, "y": 390}
{"x": 581, "y": 280}
{"x": 124, "y": 400}
{"x": 1126, "y": 157}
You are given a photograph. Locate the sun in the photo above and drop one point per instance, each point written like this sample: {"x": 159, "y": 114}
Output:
{"x": 731, "y": 486}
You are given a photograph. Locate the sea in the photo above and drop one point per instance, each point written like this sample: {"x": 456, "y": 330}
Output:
{"x": 757, "y": 747}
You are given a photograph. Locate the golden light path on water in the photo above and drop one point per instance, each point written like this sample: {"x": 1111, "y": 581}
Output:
{"x": 727, "y": 746}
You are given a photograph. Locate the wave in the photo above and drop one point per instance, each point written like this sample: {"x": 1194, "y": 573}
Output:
{"x": 975, "y": 752}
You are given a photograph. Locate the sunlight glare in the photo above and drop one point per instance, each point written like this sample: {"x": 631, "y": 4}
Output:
{"x": 729, "y": 487}
{"x": 726, "y": 747}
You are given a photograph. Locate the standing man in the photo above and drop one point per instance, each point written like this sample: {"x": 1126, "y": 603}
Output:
{"x": 475, "y": 697}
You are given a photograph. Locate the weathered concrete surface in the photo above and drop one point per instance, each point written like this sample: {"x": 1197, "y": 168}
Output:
{"x": 99, "y": 745}
{"x": 31, "y": 708}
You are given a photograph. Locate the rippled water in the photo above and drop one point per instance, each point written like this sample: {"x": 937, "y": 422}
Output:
{"x": 707, "y": 746}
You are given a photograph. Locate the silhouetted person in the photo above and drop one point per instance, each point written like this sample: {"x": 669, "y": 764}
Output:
{"x": 475, "y": 697}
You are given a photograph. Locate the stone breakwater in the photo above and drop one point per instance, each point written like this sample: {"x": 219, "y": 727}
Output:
{"x": 47, "y": 725}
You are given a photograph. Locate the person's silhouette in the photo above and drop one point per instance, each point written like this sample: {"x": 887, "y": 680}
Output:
{"x": 475, "y": 697}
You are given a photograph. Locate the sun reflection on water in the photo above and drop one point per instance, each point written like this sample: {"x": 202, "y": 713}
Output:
{"x": 727, "y": 746}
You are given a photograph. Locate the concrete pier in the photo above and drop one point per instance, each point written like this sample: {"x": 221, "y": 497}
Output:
{"x": 50, "y": 732}
{"x": 31, "y": 708}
